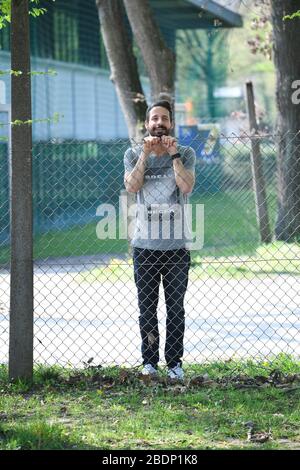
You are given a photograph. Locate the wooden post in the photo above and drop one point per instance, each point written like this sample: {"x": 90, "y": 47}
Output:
{"x": 257, "y": 171}
{"x": 21, "y": 292}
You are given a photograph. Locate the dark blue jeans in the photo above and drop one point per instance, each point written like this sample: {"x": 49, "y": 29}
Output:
{"x": 173, "y": 267}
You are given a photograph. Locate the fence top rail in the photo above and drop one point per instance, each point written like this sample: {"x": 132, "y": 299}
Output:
{"x": 243, "y": 136}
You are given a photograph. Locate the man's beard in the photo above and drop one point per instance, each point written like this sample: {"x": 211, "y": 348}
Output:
{"x": 158, "y": 132}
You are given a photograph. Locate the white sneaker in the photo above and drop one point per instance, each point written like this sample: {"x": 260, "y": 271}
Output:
{"x": 176, "y": 373}
{"x": 148, "y": 369}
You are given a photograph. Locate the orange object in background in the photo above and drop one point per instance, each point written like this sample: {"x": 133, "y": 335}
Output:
{"x": 190, "y": 120}
{"x": 188, "y": 106}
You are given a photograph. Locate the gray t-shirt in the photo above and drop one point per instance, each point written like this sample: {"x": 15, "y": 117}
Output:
{"x": 161, "y": 208}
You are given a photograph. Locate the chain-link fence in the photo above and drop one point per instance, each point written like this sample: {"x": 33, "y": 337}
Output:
{"x": 242, "y": 298}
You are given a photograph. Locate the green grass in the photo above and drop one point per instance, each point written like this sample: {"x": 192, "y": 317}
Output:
{"x": 229, "y": 229}
{"x": 267, "y": 260}
{"x": 112, "y": 408}
{"x": 76, "y": 241}
{"x": 80, "y": 240}
{"x": 230, "y": 226}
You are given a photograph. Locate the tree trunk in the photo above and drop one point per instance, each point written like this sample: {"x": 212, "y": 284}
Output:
{"x": 158, "y": 58}
{"x": 287, "y": 62}
{"x": 123, "y": 66}
{"x": 21, "y": 292}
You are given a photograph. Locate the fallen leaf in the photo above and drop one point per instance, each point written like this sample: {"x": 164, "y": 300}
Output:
{"x": 179, "y": 389}
{"x": 146, "y": 379}
{"x": 260, "y": 379}
{"x": 124, "y": 376}
{"x": 198, "y": 380}
{"x": 259, "y": 438}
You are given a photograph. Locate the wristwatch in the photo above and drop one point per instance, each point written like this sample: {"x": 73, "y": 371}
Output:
{"x": 176, "y": 155}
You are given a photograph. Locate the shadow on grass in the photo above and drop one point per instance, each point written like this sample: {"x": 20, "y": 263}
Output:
{"x": 39, "y": 436}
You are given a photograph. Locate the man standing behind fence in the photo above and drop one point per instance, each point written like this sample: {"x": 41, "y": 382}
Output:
{"x": 162, "y": 174}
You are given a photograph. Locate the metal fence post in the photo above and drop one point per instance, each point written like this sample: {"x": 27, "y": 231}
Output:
{"x": 21, "y": 293}
{"x": 257, "y": 171}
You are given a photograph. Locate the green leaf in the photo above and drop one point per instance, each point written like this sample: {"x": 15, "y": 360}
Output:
{"x": 48, "y": 72}
{"x": 293, "y": 16}
{"x": 5, "y": 11}
{"x": 37, "y": 11}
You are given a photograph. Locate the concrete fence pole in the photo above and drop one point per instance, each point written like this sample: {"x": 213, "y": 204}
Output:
{"x": 21, "y": 290}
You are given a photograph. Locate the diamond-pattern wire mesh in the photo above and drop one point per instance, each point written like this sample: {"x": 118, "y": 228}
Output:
{"x": 242, "y": 298}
